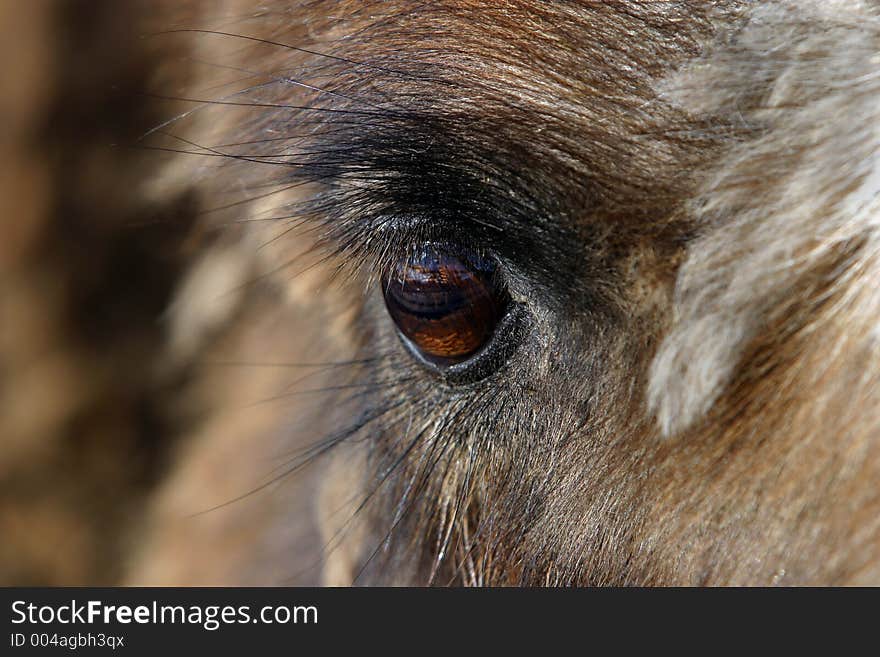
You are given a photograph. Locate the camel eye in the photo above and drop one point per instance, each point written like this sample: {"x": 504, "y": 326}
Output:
{"x": 446, "y": 302}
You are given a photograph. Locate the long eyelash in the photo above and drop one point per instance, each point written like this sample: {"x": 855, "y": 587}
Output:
{"x": 458, "y": 519}
{"x": 269, "y": 42}
{"x": 439, "y": 442}
{"x": 347, "y": 168}
{"x": 382, "y": 478}
{"x": 385, "y": 474}
{"x": 308, "y": 455}
{"x": 407, "y": 500}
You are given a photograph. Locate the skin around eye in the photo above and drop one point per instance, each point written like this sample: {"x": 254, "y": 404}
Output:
{"x": 445, "y": 301}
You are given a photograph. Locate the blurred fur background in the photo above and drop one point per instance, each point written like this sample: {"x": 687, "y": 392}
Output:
{"x": 133, "y": 341}
{"x": 164, "y": 354}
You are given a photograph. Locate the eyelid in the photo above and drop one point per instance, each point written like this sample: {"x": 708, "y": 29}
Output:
{"x": 509, "y": 334}
{"x": 452, "y": 310}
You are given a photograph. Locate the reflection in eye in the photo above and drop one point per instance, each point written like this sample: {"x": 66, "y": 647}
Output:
{"x": 445, "y": 301}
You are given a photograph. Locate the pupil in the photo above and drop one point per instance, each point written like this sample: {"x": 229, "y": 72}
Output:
{"x": 445, "y": 301}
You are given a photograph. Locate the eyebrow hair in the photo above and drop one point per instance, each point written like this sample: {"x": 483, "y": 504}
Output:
{"x": 395, "y": 181}
{"x": 411, "y": 139}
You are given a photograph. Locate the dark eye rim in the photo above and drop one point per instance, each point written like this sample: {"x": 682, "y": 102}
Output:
{"x": 488, "y": 359}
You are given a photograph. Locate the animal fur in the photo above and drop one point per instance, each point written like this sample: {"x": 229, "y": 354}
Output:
{"x": 201, "y": 384}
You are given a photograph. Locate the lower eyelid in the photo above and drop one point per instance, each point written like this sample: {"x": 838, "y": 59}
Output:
{"x": 445, "y": 300}
{"x": 510, "y": 332}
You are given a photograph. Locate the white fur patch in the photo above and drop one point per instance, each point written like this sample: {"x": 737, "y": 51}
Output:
{"x": 807, "y": 76}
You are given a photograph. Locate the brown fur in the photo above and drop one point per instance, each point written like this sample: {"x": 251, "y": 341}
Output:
{"x": 695, "y": 400}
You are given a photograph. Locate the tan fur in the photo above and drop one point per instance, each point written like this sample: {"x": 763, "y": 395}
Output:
{"x": 715, "y": 422}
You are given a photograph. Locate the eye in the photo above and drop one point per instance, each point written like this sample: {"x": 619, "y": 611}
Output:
{"x": 447, "y": 302}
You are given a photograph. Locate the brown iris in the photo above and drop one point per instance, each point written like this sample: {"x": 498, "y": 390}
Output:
{"x": 445, "y": 301}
